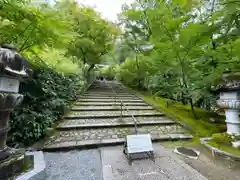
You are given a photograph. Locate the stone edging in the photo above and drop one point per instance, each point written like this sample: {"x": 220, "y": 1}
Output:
{"x": 38, "y": 172}
{"x": 86, "y": 144}
{"x": 204, "y": 141}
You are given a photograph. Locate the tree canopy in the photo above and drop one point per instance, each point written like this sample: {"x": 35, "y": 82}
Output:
{"x": 180, "y": 48}
{"x": 64, "y": 28}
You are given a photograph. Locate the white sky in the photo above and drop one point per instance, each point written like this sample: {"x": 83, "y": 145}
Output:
{"x": 108, "y": 8}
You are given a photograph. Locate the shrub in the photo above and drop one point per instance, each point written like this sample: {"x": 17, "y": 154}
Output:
{"x": 221, "y": 138}
{"x": 46, "y": 96}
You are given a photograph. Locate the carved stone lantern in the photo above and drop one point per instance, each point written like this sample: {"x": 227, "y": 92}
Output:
{"x": 230, "y": 101}
{"x": 12, "y": 70}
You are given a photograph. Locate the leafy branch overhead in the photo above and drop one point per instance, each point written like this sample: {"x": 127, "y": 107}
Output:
{"x": 179, "y": 49}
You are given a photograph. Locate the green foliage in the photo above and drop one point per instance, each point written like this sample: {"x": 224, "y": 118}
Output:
{"x": 222, "y": 138}
{"x": 189, "y": 44}
{"x": 62, "y": 41}
{"x": 225, "y": 147}
{"x": 45, "y": 98}
{"x": 135, "y": 72}
{"x": 55, "y": 59}
{"x": 108, "y": 73}
{"x": 94, "y": 37}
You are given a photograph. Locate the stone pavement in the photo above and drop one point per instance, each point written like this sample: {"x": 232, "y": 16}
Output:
{"x": 74, "y": 165}
{"x": 96, "y": 120}
{"x": 109, "y": 163}
{"x": 167, "y": 166}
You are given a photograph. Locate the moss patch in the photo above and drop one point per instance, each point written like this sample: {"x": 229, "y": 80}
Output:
{"x": 225, "y": 147}
{"x": 173, "y": 144}
{"x": 223, "y": 141}
{"x": 222, "y": 138}
{"x": 201, "y": 127}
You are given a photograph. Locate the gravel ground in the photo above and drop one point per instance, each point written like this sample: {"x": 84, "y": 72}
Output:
{"x": 74, "y": 165}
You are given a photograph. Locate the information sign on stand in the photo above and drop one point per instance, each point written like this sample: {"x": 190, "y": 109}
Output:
{"x": 140, "y": 143}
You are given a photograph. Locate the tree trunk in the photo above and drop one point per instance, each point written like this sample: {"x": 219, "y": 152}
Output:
{"x": 91, "y": 67}
{"x": 192, "y": 108}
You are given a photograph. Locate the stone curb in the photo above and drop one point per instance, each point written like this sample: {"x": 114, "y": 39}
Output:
{"x": 111, "y": 116}
{"x": 204, "y": 141}
{"x": 90, "y": 144}
{"x": 104, "y": 125}
{"x": 38, "y": 172}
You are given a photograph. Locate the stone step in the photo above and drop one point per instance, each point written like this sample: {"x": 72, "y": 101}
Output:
{"x": 112, "y": 114}
{"x": 86, "y": 138}
{"x": 97, "y": 92}
{"x": 109, "y": 97}
{"x": 68, "y": 125}
{"x": 110, "y": 100}
{"x": 104, "y": 93}
{"x": 109, "y": 108}
{"x": 107, "y": 88}
{"x": 88, "y": 144}
{"x": 94, "y": 96}
{"x": 113, "y": 120}
{"x": 110, "y": 104}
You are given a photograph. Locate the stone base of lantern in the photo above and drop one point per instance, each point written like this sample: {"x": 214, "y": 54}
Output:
{"x": 230, "y": 102}
{"x": 23, "y": 166}
{"x": 15, "y": 162}
{"x": 233, "y": 122}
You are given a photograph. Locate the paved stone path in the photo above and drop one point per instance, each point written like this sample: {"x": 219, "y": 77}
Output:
{"x": 74, "y": 165}
{"x": 167, "y": 166}
{"x": 96, "y": 120}
{"x": 109, "y": 163}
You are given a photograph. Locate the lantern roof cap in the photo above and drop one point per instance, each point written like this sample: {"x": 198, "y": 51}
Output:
{"x": 12, "y": 63}
{"x": 230, "y": 82}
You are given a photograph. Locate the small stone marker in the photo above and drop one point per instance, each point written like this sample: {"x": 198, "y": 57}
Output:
{"x": 141, "y": 143}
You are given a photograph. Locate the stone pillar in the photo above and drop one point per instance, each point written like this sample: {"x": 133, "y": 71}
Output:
{"x": 7, "y": 103}
{"x": 230, "y": 102}
{"x": 12, "y": 70}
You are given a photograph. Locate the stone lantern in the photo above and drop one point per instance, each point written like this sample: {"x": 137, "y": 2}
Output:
{"x": 12, "y": 70}
{"x": 230, "y": 101}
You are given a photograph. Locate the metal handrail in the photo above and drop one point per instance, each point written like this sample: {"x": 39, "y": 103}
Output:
{"x": 123, "y": 105}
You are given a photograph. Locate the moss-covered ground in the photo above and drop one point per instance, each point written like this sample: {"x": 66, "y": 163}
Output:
{"x": 201, "y": 127}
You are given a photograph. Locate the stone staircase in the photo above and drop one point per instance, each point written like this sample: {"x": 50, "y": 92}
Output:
{"x": 96, "y": 120}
